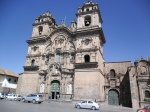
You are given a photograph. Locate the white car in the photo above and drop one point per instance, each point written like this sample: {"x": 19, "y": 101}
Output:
{"x": 14, "y": 97}
{"x": 87, "y": 104}
{"x": 34, "y": 98}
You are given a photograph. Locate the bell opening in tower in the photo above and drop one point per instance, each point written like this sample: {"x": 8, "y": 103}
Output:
{"x": 87, "y": 20}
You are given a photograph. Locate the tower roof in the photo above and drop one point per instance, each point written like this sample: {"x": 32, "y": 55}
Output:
{"x": 46, "y": 17}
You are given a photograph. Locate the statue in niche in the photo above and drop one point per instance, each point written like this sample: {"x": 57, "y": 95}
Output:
{"x": 42, "y": 88}
{"x": 55, "y": 69}
{"x": 69, "y": 89}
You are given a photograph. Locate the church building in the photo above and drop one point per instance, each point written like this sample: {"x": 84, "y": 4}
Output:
{"x": 69, "y": 62}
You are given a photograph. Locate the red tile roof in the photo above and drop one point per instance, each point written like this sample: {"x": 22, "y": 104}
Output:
{"x": 7, "y": 73}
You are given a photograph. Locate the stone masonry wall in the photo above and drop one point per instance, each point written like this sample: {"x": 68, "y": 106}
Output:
{"x": 27, "y": 83}
{"x": 119, "y": 67}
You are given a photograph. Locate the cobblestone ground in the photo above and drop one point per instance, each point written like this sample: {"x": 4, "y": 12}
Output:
{"x": 16, "y": 106}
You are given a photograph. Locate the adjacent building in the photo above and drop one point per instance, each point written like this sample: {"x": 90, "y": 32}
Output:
{"x": 68, "y": 62}
{"x": 8, "y": 81}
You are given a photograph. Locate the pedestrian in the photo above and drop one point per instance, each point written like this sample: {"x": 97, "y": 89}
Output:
{"x": 49, "y": 99}
{"x": 57, "y": 96}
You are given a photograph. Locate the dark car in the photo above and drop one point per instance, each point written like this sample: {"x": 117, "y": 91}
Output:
{"x": 145, "y": 109}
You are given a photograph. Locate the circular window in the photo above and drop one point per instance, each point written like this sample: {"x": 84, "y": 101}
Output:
{"x": 87, "y": 41}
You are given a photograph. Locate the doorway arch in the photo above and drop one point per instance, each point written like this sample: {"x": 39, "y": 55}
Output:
{"x": 55, "y": 89}
{"x": 113, "y": 97}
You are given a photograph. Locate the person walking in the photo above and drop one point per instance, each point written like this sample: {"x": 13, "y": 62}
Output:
{"x": 49, "y": 99}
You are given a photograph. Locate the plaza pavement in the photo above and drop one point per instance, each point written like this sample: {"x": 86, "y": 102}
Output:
{"x": 54, "y": 106}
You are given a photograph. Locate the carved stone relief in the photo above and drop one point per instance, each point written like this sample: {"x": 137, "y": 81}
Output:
{"x": 42, "y": 88}
{"x": 54, "y": 69}
{"x": 69, "y": 88}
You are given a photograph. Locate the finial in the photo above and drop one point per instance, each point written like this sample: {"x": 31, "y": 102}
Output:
{"x": 90, "y": 1}
{"x": 142, "y": 58}
{"x": 62, "y": 21}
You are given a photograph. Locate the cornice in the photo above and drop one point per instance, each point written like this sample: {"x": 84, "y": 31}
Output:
{"x": 92, "y": 30}
{"x": 143, "y": 80}
{"x": 31, "y": 68}
{"x": 33, "y": 55}
{"x": 69, "y": 72}
{"x": 86, "y": 65}
{"x": 39, "y": 23}
{"x": 61, "y": 52}
{"x": 38, "y": 37}
{"x": 87, "y": 12}
{"x": 38, "y": 40}
{"x": 90, "y": 12}
{"x": 86, "y": 50}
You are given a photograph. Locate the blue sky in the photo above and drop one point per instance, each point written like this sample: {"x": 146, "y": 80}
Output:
{"x": 126, "y": 26}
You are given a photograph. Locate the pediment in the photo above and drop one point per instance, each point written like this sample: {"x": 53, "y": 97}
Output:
{"x": 60, "y": 30}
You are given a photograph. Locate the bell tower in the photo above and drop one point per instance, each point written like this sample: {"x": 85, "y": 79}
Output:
{"x": 89, "y": 15}
{"x": 89, "y": 63}
{"x": 43, "y": 25}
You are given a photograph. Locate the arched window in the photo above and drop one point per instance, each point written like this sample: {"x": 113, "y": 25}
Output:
{"x": 40, "y": 30}
{"x": 87, "y": 10}
{"x": 94, "y": 7}
{"x": 143, "y": 70}
{"x": 57, "y": 57}
{"x": 47, "y": 58}
{"x": 112, "y": 73}
{"x": 147, "y": 94}
{"x": 32, "y": 62}
{"x": 72, "y": 56}
{"x": 86, "y": 58}
{"x": 87, "y": 20}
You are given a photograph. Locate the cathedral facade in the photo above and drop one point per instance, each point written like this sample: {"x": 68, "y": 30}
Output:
{"x": 68, "y": 62}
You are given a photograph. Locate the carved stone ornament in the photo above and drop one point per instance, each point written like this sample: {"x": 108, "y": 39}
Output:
{"x": 86, "y": 41}
{"x": 59, "y": 40}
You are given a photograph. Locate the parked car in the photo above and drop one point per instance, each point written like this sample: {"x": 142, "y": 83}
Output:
{"x": 11, "y": 97}
{"x": 145, "y": 109}
{"x": 16, "y": 97}
{"x": 87, "y": 104}
{"x": 2, "y": 96}
{"x": 19, "y": 97}
{"x": 34, "y": 98}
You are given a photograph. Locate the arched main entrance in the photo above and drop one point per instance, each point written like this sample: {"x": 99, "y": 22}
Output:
{"x": 55, "y": 89}
{"x": 113, "y": 97}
